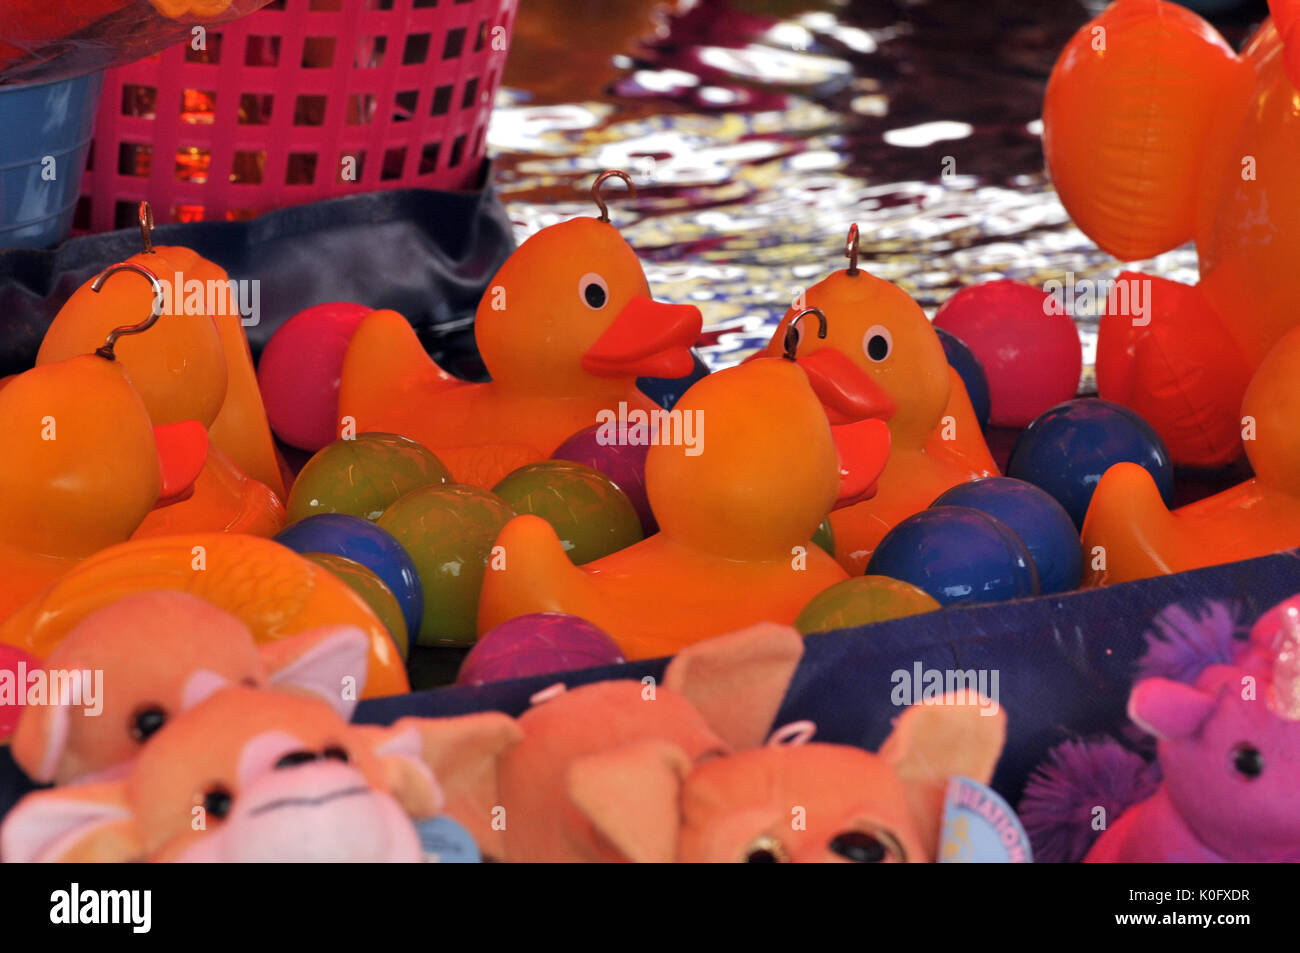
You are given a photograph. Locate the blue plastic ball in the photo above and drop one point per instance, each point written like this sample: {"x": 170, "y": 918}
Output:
{"x": 957, "y": 554}
{"x": 361, "y": 540}
{"x": 666, "y": 391}
{"x": 1066, "y": 449}
{"x": 1036, "y": 518}
{"x": 963, "y": 360}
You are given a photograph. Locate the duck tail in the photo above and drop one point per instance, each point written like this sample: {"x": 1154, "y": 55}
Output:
{"x": 528, "y": 571}
{"x": 1124, "y": 508}
{"x": 1060, "y": 805}
{"x": 385, "y": 362}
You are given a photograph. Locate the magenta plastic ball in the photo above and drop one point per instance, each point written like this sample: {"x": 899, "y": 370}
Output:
{"x": 542, "y": 643}
{"x": 622, "y": 462}
{"x": 1030, "y": 351}
{"x": 300, "y": 370}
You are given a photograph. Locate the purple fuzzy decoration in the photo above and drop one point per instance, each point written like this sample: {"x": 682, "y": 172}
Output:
{"x": 1183, "y": 642}
{"x": 1061, "y": 796}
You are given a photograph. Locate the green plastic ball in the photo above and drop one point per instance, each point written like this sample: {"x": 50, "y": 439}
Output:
{"x": 448, "y": 531}
{"x": 591, "y": 515}
{"x": 363, "y": 476}
{"x": 861, "y": 601}
{"x": 371, "y": 589}
{"x": 825, "y": 537}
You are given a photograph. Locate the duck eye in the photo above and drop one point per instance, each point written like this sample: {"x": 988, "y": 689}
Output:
{"x": 1247, "y": 761}
{"x": 217, "y": 801}
{"x": 877, "y": 342}
{"x": 146, "y": 721}
{"x": 862, "y": 847}
{"x": 766, "y": 850}
{"x": 593, "y": 290}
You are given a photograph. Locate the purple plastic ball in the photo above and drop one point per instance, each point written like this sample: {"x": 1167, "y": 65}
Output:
{"x": 541, "y": 643}
{"x": 622, "y": 462}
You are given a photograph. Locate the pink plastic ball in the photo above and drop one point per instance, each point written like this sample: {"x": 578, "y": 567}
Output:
{"x": 300, "y": 369}
{"x": 541, "y": 643}
{"x": 623, "y": 462}
{"x": 1032, "y": 357}
{"x": 10, "y": 660}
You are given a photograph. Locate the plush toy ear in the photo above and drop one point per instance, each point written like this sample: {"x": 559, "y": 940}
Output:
{"x": 84, "y": 823}
{"x": 407, "y": 777}
{"x": 932, "y": 743}
{"x": 40, "y": 739}
{"x": 463, "y": 753}
{"x": 1169, "y": 709}
{"x": 318, "y": 662}
{"x": 737, "y": 681}
{"x": 632, "y": 796}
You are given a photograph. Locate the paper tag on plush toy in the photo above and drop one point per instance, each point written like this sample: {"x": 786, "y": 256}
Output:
{"x": 446, "y": 842}
{"x": 980, "y": 828}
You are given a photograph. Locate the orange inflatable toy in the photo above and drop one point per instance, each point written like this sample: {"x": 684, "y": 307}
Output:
{"x": 1156, "y": 133}
{"x": 1140, "y": 538}
{"x": 82, "y": 467}
{"x": 736, "y": 514}
{"x": 270, "y": 588}
{"x": 935, "y": 439}
{"x": 565, "y": 329}
{"x": 192, "y": 365}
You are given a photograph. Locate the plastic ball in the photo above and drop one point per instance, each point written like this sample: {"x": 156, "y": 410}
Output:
{"x": 621, "y": 461}
{"x": 825, "y": 537}
{"x": 957, "y": 554}
{"x": 364, "y": 542}
{"x": 372, "y": 591}
{"x": 1066, "y": 451}
{"x": 862, "y": 601}
{"x": 449, "y": 531}
{"x": 363, "y": 476}
{"x": 1031, "y": 356}
{"x": 300, "y": 369}
{"x": 963, "y": 360}
{"x": 541, "y": 643}
{"x": 14, "y": 665}
{"x": 588, "y": 512}
{"x": 1033, "y": 515}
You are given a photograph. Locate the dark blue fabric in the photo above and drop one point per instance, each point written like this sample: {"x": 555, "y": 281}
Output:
{"x": 1065, "y": 665}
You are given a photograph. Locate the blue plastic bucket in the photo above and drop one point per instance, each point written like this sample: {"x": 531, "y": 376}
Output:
{"x": 45, "y": 132}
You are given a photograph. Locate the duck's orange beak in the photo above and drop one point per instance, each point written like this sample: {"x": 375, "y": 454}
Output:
{"x": 857, "y": 409}
{"x": 182, "y": 452}
{"x": 647, "y": 339}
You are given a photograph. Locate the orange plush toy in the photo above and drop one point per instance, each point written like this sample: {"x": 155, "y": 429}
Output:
{"x": 653, "y": 803}
{"x": 193, "y": 365}
{"x": 270, "y": 588}
{"x": 136, "y": 661}
{"x": 505, "y": 780}
{"x": 243, "y": 776}
{"x": 565, "y": 329}
{"x": 736, "y": 516}
{"x": 935, "y": 438}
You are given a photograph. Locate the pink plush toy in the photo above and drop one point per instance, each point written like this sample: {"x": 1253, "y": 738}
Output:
{"x": 1225, "y": 712}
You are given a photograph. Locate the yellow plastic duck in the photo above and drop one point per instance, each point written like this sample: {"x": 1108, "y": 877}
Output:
{"x": 566, "y": 327}
{"x": 187, "y": 367}
{"x": 1129, "y": 534}
{"x": 935, "y": 437}
{"x": 735, "y": 515}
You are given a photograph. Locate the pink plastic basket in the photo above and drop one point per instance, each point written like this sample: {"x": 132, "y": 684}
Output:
{"x": 303, "y": 100}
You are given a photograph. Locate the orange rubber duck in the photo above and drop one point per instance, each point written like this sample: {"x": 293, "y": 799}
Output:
{"x": 1129, "y": 534}
{"x": 565, "y": 329}
{"x": 190, "y": 366}
{"x": 270, "y": 588}
{"x": 82, "y": 467}
{"x": 935, "y": 438}
{"x": 1157, "y": 133}
{"x": 736, "y": 514}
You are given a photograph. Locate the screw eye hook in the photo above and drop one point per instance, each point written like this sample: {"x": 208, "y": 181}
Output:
{"x": 600, "y": 181}
{"x": 146, "y": 227}
{"x": 851, "y": 250}
{"x": 106, "y": 351}
{"x": 792, "y": 331}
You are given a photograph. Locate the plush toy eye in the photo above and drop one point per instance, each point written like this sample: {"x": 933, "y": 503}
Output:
{"x": 862, "y": 847}
{"x": 217, "y": 801}
{"x": 335, "y": 753}
{"x": 766, "y": 850}
{"x": 877, "y": 342}
{"x": 1247, "y": 761}
{"x": 593, "y": 290}
{"x": 146, "y": 721}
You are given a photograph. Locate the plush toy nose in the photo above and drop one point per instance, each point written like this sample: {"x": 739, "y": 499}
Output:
{"x": 295, "y": 758}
